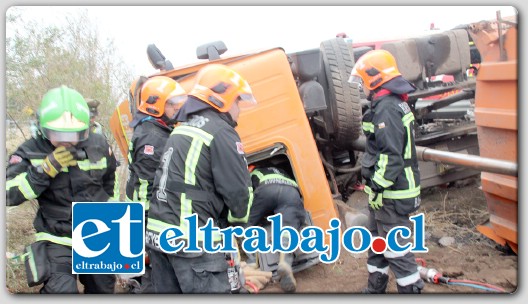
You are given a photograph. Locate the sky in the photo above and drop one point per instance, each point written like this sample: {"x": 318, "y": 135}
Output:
{"x": 178, "y": 30}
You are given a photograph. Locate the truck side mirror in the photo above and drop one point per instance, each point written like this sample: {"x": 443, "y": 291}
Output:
{"x": 211, "y": 51}
{"x": 156, "y": 58}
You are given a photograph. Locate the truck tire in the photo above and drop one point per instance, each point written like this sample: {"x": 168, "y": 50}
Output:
{"x": 343, "y": 98}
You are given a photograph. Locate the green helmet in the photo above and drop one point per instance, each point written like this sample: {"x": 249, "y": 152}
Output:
{"x": 64, "y": 115}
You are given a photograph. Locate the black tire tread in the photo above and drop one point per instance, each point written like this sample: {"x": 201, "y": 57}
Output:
{"x": 344, "y": 98}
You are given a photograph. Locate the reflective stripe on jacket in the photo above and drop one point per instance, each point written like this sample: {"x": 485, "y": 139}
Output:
{"x": 268, "y": 176}
{"x": 145, "y": 152}
{"x": 91, "y": 180}
{"x": 389, "y": 161}
{"x": 203, "y": 170}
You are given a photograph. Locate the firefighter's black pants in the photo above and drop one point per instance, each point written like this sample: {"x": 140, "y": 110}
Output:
{"x": 62, "y": 280}
{"x": 276, "y": 198}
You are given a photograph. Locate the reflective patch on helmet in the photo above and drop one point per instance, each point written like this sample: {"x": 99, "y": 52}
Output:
{"x": 148, "y": 150}
{"x": 389, "y": 70}
{"x": 381, "y": 125}
{"x": 15, "y": 159}
{"x": 240, "y": 147}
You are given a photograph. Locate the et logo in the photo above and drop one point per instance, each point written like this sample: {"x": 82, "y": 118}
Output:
{"x": 108, "y": 238}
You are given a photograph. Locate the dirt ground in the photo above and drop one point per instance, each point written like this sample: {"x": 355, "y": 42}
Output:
{"x": 452, "y": 211}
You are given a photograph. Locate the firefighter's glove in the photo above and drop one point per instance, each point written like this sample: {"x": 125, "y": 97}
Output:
{"x": 375, "y": 200}
{"x": 254, "y": 278}
{"x": 57, "y": 160}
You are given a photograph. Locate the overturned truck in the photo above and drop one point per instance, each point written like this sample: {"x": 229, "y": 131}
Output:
{"x": 308, "y": 117}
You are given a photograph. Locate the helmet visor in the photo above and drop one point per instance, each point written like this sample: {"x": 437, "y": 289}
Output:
{"x": 355, "y": 79}
{"x": 60, "y": 136}
{"x": 246, "y": 101}
{"x": 177, "y": 100}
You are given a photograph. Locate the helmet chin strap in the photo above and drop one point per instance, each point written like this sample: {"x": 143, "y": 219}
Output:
{"x": 370, "y": 96}
{"x": 169, "y": 120}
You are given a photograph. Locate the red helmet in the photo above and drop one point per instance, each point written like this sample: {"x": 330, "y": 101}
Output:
{"x": 220, "y": 87}
{"x": 374, "y": 68}
{"x": 156, "y": 92}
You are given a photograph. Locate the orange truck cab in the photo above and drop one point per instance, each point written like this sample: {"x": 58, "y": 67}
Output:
{"x": 275, "y": 131}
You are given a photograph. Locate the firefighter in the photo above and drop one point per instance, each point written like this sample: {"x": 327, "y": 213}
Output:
{"x": 66, "y": 164}
{"x": 161, "y": 97}
{"x": 389, "y": 166}
{"x": 276, "y": 193}
{"x": 95, "y": 127}
{"x": 203, "y": 171}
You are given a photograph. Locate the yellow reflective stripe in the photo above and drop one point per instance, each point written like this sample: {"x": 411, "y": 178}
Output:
{"x": 23, "y": 185}
{"x": 200, "y": 138}
{"x": 86, "y": 165}
{"x": 407, "y": 153}
{"x": 402, "y": 194}
{"x": 185, "y": 211}
{"x": 158, "y": 226}
{"x": 407, "y": 119}
{"x": 258, "y": 174}
{"x": 277, "y": 176}
{"x": 409, "y": 174}
{"x": 194, "y": 133}
{"x": 115, "y": 197}
{"x": 397, "y": 194}
{"x": 382, "y": 167}
{"x": 244, "y": 219}
{"x": 43, "y": 236}
{"x": 36, "y": 162}
{"x": 368, "y": 126}
{"x": 192, "y": 161}
{"x": 130, "y": 151}
{"x": 142, "y": 194}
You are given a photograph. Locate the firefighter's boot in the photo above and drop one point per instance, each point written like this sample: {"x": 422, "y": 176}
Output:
{"x": 377, "y": 283}
{"x": 412, "y": 288}
{"x": 287, "y": 280}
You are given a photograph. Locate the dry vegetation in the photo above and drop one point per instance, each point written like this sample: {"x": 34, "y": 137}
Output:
{"x": 20, "y": 233}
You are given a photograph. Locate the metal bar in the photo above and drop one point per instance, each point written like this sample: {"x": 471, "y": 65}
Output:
{"x": 468, "y": 84}
{"x": 483, "y": 164}
{"x": 444, "y": 102}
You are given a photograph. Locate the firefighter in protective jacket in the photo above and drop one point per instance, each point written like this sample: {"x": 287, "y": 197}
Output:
{"x": 203, "y": 171}
{"x": 389, "y": 166}
{"x": 66, "y": 163}
{"x": 277, "y": 193}
{"x": 160, "y": 99}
